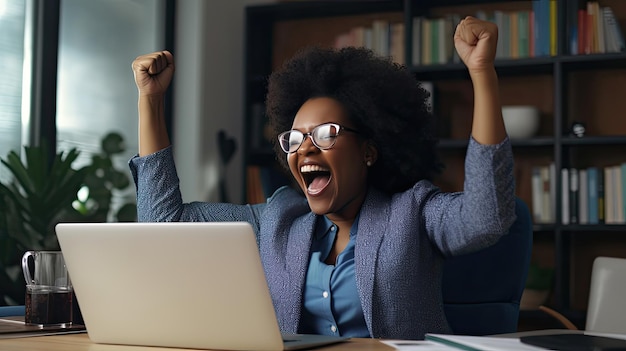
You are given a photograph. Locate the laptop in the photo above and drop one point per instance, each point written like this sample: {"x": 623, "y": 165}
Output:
{"x": 186, "y": 285}
{"x": 575, "y": 342}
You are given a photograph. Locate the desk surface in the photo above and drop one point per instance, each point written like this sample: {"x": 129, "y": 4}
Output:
{"x": 80, "y": 342}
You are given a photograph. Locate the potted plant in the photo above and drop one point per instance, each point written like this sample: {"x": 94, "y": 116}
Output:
{"x": 44, "y": 192}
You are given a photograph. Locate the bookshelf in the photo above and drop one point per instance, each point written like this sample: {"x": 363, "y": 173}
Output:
{"x": 566, "y": 87}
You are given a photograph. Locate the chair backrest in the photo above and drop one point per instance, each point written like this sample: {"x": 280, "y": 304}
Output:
{"x": 482, "y": 290}
{"x": 10, "y": 311}
{"x": 606, "y": 311}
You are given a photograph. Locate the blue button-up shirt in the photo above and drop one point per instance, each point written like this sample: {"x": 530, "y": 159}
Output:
{"x": 331, "y": 301}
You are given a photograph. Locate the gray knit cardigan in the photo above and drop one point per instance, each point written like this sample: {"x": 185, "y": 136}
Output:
{"x": 401, "y": 240}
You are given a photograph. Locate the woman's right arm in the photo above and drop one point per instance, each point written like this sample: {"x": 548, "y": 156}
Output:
{"x": 158, "y": 192}
{"x": 153, "y": 74}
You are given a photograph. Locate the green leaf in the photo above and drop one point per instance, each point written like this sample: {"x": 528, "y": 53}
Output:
{"x": 40, "y": 194}
{"x": 113, "y": 143}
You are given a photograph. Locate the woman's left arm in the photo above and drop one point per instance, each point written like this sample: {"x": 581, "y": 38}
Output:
{"x": 475, "y": 41}
{"x": 485, "y": 209}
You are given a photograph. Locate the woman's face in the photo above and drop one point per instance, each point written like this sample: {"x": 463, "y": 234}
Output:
{"x": 333, "y": 180}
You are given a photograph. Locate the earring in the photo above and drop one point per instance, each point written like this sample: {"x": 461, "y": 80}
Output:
{"x": 369, "y": 163}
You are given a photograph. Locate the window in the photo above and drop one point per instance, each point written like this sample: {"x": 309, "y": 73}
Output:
{"x": 96, "y": 93}
{"x": 12, "y": 20}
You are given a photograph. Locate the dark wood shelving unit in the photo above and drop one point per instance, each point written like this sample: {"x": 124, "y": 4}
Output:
{"x": 562, "y": 78}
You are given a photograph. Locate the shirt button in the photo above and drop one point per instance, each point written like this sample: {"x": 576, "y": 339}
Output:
{"x": 333, "y": 329}
{"x": 325, "y": 294}
{"x": 333, "y": 228}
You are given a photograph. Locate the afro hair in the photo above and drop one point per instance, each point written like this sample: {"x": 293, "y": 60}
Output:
{"x": 383, "y": 99}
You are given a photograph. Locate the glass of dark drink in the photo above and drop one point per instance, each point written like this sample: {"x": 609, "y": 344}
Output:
{"x": 49, "y": 294}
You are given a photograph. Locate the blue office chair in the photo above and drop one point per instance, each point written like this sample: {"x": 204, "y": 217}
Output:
{"x": 482, "y": 290}
{"x": 9, "y": 311}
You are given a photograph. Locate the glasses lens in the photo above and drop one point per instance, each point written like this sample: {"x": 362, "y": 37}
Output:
{"x": 290, "y": 141}
{"x": 325, "y": 135}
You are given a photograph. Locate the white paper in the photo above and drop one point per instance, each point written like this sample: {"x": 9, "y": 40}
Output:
{"x": 417, "y": 345}
{"x": 485, "y": 343}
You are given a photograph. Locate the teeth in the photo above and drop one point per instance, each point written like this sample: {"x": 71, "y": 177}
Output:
{"x": 312, "y": 168}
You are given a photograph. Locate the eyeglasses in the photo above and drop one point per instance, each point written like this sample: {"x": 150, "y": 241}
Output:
{"x": 323, "y": 137}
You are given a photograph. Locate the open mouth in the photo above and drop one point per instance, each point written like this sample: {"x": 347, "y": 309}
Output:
{"x": 315, "y": 177}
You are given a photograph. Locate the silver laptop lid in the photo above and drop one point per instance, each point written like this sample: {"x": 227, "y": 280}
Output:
{"x": 193, "y": 285}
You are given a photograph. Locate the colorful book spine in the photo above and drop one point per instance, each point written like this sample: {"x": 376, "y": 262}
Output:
{"x": 553, "y": 27}
{"x": 537, "y": 194}
{"x": 583, "y": 203}
{"x": 592, "y": 185}
{"x": 573, "y": 196}
{"x": 601, "y": 202}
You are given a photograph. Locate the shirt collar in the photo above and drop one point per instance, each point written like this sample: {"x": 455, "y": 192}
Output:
{"x": 324, "y": 225}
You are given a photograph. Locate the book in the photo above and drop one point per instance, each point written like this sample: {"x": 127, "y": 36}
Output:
{"x": 368, "y": 37}
{"x": 546, "y": 194}
{"x": 505, "y": 32}
{"x": 416, "y": 54}
{"x": 582, "y": 44}
{"x": 553, "y": 27}
{"x": 446, "y": 39}
{"x": 592, "y": 27}
{"x": 615, "y": 42}
{"x": 573, "y": 196}
{"x": 396, "y": 45}
{"x": 426, "y": 42}
{"x": 565, "y": 206}
{"x": 480, "y": 343}
{"x": 600, "y": 28}
{"x": 608, "y": 34}
{"x": 618, "y": 199}
{"x": 592, "y": 194}
{"x": 524, "y": 34}
{"x": 380, "y": 37}
{"x": 541, "y": 340}
{"x": 583, "y": 197}
{"x": 572, "y": 25}
{"x": 601, "y": 198}
{"x": 537, "y": 194}
{"x": 514, "y": 35}
{"x": 434, "y": 40}
{"x": 455, "y": 18}
{"x": 541, "y": 10}
{"x": 531, "y": 34}
{"x": 609, "y": 192}
{"x": 499, "y": 21}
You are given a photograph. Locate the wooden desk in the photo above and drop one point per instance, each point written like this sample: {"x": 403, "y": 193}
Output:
{"x": 81, "y": 342}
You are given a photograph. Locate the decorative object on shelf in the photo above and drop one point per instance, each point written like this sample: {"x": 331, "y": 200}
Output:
{"x": 578, "y": 129}
{"x": 557, "y": 83}
{"x": 521, "y": 121}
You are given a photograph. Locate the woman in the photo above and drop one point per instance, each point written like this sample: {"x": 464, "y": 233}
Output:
{"x": 358, "y": 251}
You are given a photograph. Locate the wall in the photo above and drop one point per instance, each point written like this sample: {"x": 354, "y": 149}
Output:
{"x": 208, "y": 95}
